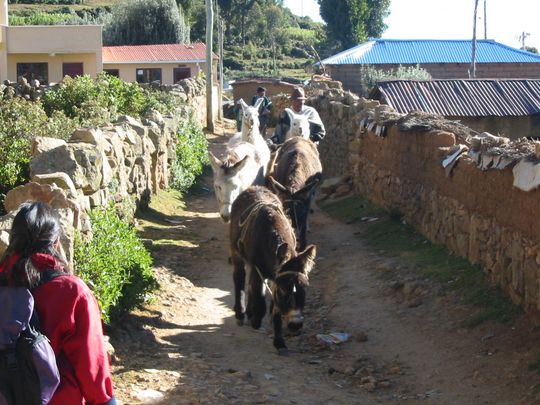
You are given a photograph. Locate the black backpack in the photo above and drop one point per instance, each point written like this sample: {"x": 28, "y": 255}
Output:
{"x": 28, "y": 371}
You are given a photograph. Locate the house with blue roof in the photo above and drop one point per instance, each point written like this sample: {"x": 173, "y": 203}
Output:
{"x": 443, "y": 59}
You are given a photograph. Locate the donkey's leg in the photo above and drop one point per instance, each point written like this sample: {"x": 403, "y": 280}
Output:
{"x": 279, "y": 342}
{"x": 256, "y": 308}
{"x": 239, "y": 278}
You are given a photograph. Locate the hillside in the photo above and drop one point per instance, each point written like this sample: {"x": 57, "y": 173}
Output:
{"x": 265, "y": 42}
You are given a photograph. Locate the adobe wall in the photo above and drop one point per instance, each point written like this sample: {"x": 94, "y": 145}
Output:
{"x": 246, "y": 89}
{"x": 475, "y": 210}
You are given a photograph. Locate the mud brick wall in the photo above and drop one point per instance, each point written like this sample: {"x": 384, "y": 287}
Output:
{"x": 476, "y": 214}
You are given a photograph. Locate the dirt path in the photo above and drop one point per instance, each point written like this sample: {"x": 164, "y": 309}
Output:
{"x": 185, "y": 348}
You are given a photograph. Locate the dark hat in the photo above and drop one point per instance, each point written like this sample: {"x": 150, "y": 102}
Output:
{"x": 259, "y": 89}
{"x": 298, "y": 94}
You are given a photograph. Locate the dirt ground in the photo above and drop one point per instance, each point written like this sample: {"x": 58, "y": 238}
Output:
{"x": 186, "y": 348}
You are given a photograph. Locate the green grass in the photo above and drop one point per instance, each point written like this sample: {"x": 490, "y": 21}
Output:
{"x": 389, "y": 236}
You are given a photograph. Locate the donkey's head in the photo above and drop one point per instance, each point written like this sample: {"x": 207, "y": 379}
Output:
{"x": 290, "y": 284}
{"x": 250, "y": 116}
{"x": 299, "y": 125}
{"x": 230, "y": 179}
{"x": 297, "y": 203}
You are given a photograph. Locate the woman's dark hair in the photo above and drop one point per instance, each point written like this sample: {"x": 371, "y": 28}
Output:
{"x": 35, "y": 229}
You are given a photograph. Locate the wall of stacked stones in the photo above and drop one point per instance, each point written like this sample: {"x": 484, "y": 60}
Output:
{"x": 478, "y": 207}
{"x": 124, "y": 162}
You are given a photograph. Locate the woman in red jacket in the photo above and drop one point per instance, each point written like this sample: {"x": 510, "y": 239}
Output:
{"x": 68, "y": 311}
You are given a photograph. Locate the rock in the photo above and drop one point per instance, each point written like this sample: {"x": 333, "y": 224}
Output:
{"x": 148, "y": 396}
{"x": 342, "y": 190}
{"x": 82, "y": 162}
{"x": 42, "y": 144}
{"x": 93, "y": 136}
{"x": 361, "y": 337}
{"x": 60, "y": 179}
{"x": 329, "y": 185}
{"x": 4, "y": 241}
{"x": 47, "y": 193}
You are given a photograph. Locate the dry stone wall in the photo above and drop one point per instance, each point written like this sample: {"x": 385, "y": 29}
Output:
{"x": 482, "y": 205}
{"x": 124, "y": 162}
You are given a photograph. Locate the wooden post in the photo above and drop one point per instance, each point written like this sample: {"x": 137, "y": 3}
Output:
{"x": 209, "y": 67}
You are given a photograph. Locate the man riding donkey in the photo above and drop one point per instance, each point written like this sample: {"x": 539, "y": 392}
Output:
{"x": 316, "y": 126}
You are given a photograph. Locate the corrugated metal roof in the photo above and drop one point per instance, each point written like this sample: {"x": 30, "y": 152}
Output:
{"x": 195, "y": 52}
{"x": 462, "y": 98}
{"x": 400, "y": 51}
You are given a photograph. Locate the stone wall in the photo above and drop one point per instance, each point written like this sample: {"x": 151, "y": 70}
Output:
{"x": 124, "y": 162}
{"x": 482, "y": 205}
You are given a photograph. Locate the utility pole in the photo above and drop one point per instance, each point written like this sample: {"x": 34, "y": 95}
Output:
{"x": 485, "y": 19}
{"x": 522, "y": 38}
{"x": 220, "y": 63}
{"x": 209, "y": 66}
{"x": 472, "y": 68}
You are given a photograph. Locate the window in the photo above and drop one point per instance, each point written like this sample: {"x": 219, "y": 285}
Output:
{"x": 112, "y": 72}
{"x": 72, "y": 69}
{"x": 148, "y": 75}
{"x": 31, "y": 71}
{"x": 181, "y": 73}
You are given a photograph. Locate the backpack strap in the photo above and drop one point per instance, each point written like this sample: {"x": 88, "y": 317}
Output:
{"x": 49, "y": 275}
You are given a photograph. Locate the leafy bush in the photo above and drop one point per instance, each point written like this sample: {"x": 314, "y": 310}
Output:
{"x": 20, "y": 121}
{"x": 41, "y": 18}
{"x": 115, "y": 264}
{"x": 191, "y": 155}
{"x": 96, "y": 101}
{"x": 369, "y": 76}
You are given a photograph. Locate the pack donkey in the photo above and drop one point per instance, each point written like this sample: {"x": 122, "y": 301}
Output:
{"x": 241, "y": 167}
{"x": 295, "y": 177}
{"x": 263, "y": 240}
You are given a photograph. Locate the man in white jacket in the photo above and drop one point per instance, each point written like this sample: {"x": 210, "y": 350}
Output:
{"x": 316, "y": 127}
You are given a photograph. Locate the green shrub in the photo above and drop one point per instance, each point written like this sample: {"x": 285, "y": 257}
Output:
{"x": 369, "y": 76}
{"x": 191, "y": 155}
{"x": 93, "y": 102}
{"x": 20, "y": 122}
{"x": 115, "y": 264}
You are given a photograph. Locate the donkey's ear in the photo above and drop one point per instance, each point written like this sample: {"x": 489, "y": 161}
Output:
{"x": 307, "y": 259}
{"x": 214, "y": 162}
{"x": 258, "y": 102}
{"x": 276, "y": 186}
{"x": 239, "y": 165}
{"x": 243, "y": 104}
{"x": 282, "y": 253}
{"x": 290, "y": 113}
{"x": 308, "y": 189}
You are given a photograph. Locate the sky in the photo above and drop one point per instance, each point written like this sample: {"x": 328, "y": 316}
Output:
{"x": 452, "y": 19}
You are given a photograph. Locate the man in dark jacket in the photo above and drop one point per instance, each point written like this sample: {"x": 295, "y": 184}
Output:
{"x": 316, "y": 127}
{"x": 264, "y": 109}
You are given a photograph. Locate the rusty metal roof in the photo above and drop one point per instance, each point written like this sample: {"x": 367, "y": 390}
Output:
{"x": 462, "y": 98}
{"x": 421, "y": 51}
{"x": 161, "y": 53}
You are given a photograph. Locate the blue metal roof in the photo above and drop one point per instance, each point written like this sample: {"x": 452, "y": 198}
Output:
{"x": 412, "y": 51}
{"x": 462, "y": 98}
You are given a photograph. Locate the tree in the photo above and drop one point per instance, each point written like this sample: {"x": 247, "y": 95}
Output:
{"x": 350, "y": 22}
{"x": 143, "y": 22}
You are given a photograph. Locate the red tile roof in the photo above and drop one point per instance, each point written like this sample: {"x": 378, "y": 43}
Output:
{"x": 195, "y": 52}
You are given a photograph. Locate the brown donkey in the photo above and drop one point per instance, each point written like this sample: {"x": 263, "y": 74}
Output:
{"x": 262, "y": 239}
{"x": 295, "y": 177}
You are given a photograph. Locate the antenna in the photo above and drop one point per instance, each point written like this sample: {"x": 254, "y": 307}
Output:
{"x": 522, "y": 38}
